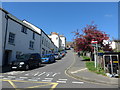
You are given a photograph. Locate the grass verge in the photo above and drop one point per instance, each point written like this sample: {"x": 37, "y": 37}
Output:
{"x": 85, "y": 57}
{"x": 90, "y": 65}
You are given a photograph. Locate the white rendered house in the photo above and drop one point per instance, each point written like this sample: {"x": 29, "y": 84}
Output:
{"x": 20, "y": 37}
{"x": 63, "y": 43}
{"x": 56, "y": 39}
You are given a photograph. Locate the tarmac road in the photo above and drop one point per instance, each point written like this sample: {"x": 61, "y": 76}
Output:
{"x": 48, "y": 76}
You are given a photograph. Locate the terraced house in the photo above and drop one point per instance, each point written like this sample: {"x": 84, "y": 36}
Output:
{"x": 20, "y": 37}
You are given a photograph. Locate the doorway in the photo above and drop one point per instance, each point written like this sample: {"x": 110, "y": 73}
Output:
{"x": 7, "y": 57}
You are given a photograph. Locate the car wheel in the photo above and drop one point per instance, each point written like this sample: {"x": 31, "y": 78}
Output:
{"x": 27, "y": 67}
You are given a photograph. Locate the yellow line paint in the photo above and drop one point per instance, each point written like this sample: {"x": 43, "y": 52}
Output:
{"x": 39, "y": 86}
{"x": 54, "y": 86}
{"x": 14, "y": 86}
{"x": 49, "y": 83}
{"x": 25, "y": 81}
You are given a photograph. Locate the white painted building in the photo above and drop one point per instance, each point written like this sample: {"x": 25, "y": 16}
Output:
{"x": 59, "y": 40}
{"x": 56, "y": 39}
{"x": 63, "y": 43}
{"x": 46, "y": 44}
{"x": 19, "y": 37}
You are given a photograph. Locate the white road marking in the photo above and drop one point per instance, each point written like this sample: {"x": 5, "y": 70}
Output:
{"x": 1, "y": 76}
{"x": 26, "y": 74}
{"x": 24, "y": 77}
{"x": 32, "y": 80}
{"x": 47, "y": 80}
{"x": 61, "y": 81}
{"x": 48, "y": 75}
{"x": 41, "y": 74}
{"x": 11, "y": 76}
{"x": 78, "y": 82}
{"x": 79, "y": 70}
{"x": 36, "y": 74}
{"x": 55, "y": 74}
{"x": 5, "y": 78}
{"x": 19, "y": 79}
{"x": 15, "y": 72}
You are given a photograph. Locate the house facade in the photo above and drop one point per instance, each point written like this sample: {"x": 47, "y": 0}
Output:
{"x": 19, "y": 37}
{"x": 56, "y": 39}
{"x": 63, "y": 41}
{"x": 46, "y": 44}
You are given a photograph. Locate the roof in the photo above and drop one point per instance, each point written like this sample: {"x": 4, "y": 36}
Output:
{"x": 38, "y": 30}
{"x": 54, "y": 33}
{"x": 18, "y": 20}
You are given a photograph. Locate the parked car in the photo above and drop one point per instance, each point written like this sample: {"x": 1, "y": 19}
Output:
{"x": 48, "y": 58}
{"x": 62, "y": 53}
{"x": 26, "y": 61}
{"x": 57, "y": 56}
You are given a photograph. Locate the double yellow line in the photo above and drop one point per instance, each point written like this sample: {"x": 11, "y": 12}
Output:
{"x": 54, "y": 85}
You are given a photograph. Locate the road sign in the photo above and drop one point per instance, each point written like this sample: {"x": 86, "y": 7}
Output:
{"x": 94, "y": 42}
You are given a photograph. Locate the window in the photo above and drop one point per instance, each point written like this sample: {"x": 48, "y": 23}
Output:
{"x": 11, "y": 38}
{"x": 31, "y": 45}
{"x": 24, "y": 29}
{"x": 33, "y": 35}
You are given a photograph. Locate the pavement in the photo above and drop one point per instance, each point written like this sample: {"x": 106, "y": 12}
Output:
{"x": 4, "y": 69}
{"x": 79, "y": 71}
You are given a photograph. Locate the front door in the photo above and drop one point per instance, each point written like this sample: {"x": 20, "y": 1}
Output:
{"x": 7, "y": 57}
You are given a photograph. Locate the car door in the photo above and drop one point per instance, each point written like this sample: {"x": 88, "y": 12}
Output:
{"x": 50, "y": 58}
{"x": 36, "y": 59}
{"x": 32, "y": 60}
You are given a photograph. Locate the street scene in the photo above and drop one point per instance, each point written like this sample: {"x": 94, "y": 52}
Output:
{"x": 48, "y": 77}
{"x": 45, "y": 45}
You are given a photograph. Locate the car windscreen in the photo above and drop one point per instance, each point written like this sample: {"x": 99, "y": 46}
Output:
{"x": 24, "y": 57}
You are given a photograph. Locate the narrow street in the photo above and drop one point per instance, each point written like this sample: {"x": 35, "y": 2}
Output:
{"x": 48, "y": 76}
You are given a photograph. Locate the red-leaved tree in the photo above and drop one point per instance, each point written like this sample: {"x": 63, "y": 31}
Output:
{"x": 82, "y": 42}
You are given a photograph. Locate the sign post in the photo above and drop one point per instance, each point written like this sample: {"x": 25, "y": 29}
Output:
{"x": 95, "y": 53}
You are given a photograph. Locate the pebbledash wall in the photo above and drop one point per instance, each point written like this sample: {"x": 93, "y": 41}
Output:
{"x": 19, "y": 37}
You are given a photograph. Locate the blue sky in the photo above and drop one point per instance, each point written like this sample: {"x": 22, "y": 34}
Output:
{"x": 66, "y": 17}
